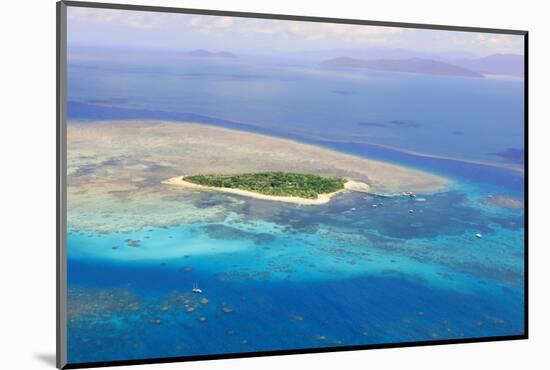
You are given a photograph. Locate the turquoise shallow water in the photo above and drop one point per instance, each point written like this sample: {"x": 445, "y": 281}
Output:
{"x": 282, "y": 276}
{"x": 279, "y": 276}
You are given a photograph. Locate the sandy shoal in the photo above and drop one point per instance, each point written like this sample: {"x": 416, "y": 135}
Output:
{"x": 122, "y": 164}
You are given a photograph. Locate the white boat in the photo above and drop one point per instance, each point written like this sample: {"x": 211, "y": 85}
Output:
{"x": 196, "y": 289}
{"x": 479, "y": 236}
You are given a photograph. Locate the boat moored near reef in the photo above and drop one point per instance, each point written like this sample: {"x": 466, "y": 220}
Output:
{"x": 196, "y": 289}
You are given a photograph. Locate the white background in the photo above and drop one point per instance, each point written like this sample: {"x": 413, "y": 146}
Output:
{"x": 27, "y": 193}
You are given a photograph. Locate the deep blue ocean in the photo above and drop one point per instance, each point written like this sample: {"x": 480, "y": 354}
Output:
{"x": 340, "y": 274}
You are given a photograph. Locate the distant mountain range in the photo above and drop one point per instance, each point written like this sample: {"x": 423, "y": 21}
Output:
{"x": 380, "y": 52}
{"x": 201, "y": 53}
{"x": 496, "y": 64}
{"x": 413, "y": 65}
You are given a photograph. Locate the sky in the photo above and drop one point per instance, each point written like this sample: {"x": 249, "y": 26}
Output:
{"x": 139, "y": 29}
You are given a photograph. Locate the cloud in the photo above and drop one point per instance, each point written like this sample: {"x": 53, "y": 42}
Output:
{"x": 282, "y": 34}
{"x": 489, "y": 42}
{"x": 496, "y": 40}
{"x": 209, "y": 24}
{"x": 130, "y": 19}
{"x": 223, "y": 22}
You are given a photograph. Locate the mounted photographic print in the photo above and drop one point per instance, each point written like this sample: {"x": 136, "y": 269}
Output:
{"x": 236, "y": 184}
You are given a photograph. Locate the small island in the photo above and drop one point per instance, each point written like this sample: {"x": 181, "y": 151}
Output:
{"x": 273, "y": 183}
{"x": 279, "y": 186}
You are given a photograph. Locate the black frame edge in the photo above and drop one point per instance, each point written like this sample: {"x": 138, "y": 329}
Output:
{"x": 61, "y": 354}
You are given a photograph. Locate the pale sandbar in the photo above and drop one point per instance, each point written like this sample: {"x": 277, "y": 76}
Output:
{"x": 115, "y": 170}
{"x": 505, "y": 202}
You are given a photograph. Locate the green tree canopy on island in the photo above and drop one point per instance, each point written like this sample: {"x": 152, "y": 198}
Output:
{"x": 273, "y": 183}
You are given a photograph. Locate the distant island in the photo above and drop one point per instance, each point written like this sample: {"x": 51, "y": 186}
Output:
{"x": 201, "y": 53}
{"x": 496, "y": 64}
{"x": 412, "y": 65}
{"x": 279, "y": 186}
